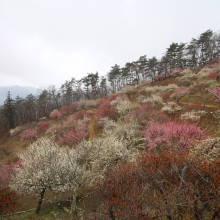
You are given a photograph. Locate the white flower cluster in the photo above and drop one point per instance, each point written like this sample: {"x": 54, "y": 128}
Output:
{"x": 154, "y": 100}
{"x": 209, "y": 149}
{"x": 171, "y": 108}
{"x": 119, "y": 99}
{"x": 216, "y": 114}
{"x": 129, "y": 90}
{"x": 161, "y": 89}
{"x": 16, "y": 130}
{"x": 188, "y": 76}
{"x": 47, "y": 166}
{"x": 118, "y": 144}
{"x": 192, "y": 116}
{"x": 203, "y": 73}
{"x": 123, "y": 105}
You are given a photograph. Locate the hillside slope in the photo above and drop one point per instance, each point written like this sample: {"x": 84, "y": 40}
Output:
{"x": 175, "y": 117}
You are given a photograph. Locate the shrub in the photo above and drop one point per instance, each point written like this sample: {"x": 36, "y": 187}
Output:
{"x": 105, "y": 109}
{"x": 151, "y": 187}
{"x": 130, "y": 91}
{"x": 72, "y": 137}
{"x": 146, "y": 113}
{"x": 6, "y": 171}
{"x": 192, "y": 116}
{"x": 43, "y": 126}
{"x": 187, "y": 76}
{"x": 185, "y": 83}
{"x": 161, "y": 89}
{"x": 207, "y": 149}
{"x": 203, "y": 74}
{"x": 119, "y": 99}
{"x": 154, "y": 100}
{"x": 114, "y": 96}
{"x": 171, "y": 108}
{"x": 216, "y": 114}
{"x": 212, "y": 75}
{"x": 56, "y": 129}
{"x": 65, "y": 109}
{"x": 16, "y": 130}
{"x": 80, "y": 114}
{"x": 8, "y": 201}
{"x": 28, "y": 134}
{"x": 86, "y": 104}
{"x": 177, "y": 71}
{"x": 55, "y": 114}
{"x": 123, "y": 107}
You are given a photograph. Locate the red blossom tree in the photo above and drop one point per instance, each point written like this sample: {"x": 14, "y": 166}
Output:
{"x": 65, "y": 109}
{"x": 43, "y": 126}
{"x": 147, "y": 113}
{"x": 105, "y": 109}
{"x": 73, "y": 137}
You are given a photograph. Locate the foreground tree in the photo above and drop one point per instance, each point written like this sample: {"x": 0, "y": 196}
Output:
{"x": 45, "y": 166}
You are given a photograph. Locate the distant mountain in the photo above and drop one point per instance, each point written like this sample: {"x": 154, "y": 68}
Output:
{"x": 22, "y": 91}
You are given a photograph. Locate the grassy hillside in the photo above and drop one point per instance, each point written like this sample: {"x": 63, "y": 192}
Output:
{"x": 117, "y": 130}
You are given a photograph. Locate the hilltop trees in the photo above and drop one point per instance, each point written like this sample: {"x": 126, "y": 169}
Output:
{"x": 199, "y": 51}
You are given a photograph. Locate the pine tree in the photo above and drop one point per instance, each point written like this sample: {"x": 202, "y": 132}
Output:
{"x": 9, "y": 110}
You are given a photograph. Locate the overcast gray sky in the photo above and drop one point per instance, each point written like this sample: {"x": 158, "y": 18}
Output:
{"x": 45, "y": 42}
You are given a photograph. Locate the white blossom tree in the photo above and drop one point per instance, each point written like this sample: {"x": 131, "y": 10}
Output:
{"x": 46, "y": 166}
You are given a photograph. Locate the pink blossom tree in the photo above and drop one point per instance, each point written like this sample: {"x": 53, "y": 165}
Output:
{"x": 28, "y": 134}
{"x": 171, "y": 135}
{"x": 55, "y": 114}
{"x": 43, "y": 126}
{"x": 65, "y": 109}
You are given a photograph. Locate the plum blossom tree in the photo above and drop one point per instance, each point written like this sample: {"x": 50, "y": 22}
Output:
{"x": 56, "y": 114}
{"x": 28, "y": 134}
{"x": 171, "y": 135}
{"x": 46, "y": 166}
{"x": 105, "y": 109}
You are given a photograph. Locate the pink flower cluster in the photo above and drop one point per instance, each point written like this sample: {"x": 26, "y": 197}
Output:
{"x": 28, "y": 134}
{"x": 171, "y": 135}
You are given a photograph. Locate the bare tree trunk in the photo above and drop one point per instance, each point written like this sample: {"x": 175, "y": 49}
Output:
{"x": 40, "y": 201}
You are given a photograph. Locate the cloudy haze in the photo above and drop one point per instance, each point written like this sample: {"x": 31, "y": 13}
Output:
{"x": 45, "y": 42}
